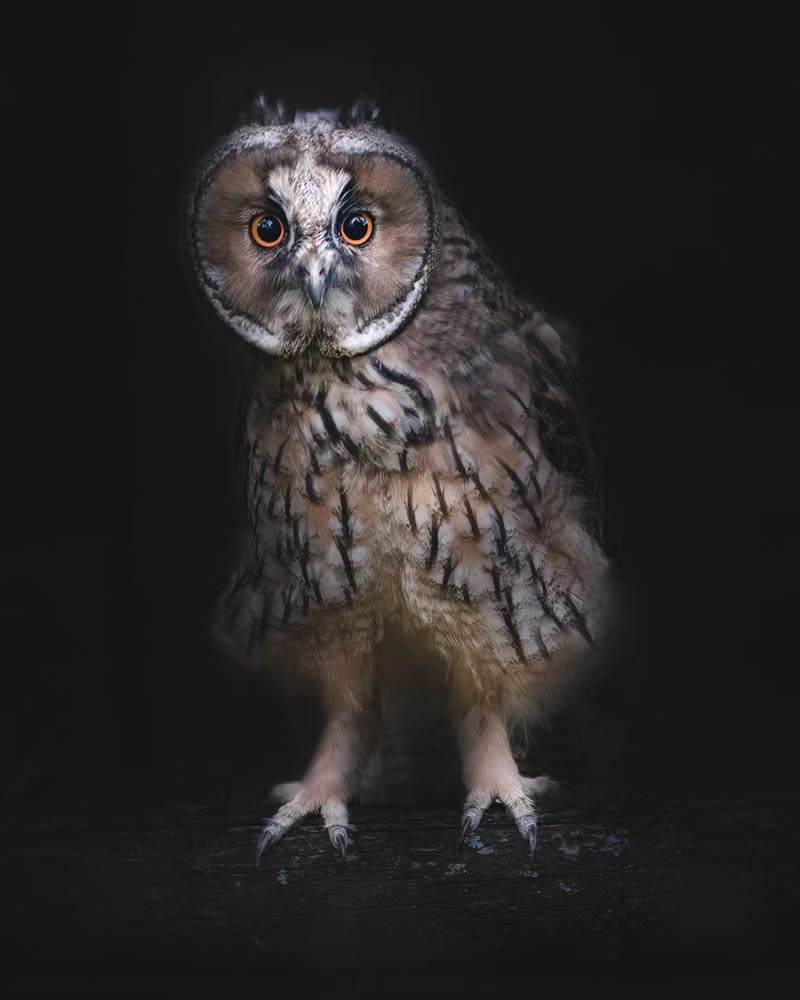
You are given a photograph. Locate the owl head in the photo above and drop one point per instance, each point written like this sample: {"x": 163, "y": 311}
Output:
{"x": 315, "y": 234}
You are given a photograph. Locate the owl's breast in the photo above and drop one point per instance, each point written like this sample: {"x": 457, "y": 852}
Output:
{"x": 319, "y": 537}
{"x": 487, "y": 523}
{"x": 378, "y": 491}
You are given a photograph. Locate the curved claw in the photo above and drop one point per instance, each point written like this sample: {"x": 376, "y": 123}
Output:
{"x": 528, "y": 826}
{"x": 470, "y": 820}
{"x": 532, "y": 842}
{"x": 338, "y": 837}
{"x": 271, "y": 833}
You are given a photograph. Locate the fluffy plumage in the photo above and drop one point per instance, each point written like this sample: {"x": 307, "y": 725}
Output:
{"x": 415, "y": 462}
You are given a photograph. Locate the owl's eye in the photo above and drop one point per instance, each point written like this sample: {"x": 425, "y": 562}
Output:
{"x": 357, "y": 229}
{"x": 267, "y": 230}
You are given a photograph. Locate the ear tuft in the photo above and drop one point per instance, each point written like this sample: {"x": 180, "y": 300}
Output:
{"x": 259, "y": 110}
{"x": 364, "y": 111}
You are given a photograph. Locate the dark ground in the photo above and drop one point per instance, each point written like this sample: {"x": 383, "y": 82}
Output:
{"x": 640, "y": 181}
{"x": 656, "y": 900}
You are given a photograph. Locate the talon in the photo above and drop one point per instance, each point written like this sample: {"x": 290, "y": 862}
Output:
{"x": 532, "y": 841}
{"x": 338, "y": 837}
{"x": 470, "y": 820}
{"x": 527, "y": 827}
{"x": 271, "y": 833}
{"x": 460, "y": 840}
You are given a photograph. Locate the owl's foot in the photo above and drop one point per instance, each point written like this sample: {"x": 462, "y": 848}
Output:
{"x": 301, "y": 800}
{"x": 519, "y": 805}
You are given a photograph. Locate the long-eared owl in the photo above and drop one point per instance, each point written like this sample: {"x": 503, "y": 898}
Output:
{"x": 415, "y": 463}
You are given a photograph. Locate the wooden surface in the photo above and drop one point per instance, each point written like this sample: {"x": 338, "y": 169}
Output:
{"x": 649, "y": 895}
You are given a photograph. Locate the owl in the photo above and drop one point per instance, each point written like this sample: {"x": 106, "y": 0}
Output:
{"x": 415, "y": 464}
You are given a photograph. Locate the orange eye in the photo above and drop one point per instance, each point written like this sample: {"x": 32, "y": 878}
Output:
{"x": 267, "y": 230}
{"x": 357, "y": 229}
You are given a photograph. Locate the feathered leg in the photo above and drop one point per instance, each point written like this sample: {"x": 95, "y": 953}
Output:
{"x": 348, "y": 737}
{"x": 489, "y": 769}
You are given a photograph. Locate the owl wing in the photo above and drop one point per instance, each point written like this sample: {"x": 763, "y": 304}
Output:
{"x": 510, "y": 528}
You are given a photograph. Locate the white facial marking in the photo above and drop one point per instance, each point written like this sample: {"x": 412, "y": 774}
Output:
{"x": 309, "y": 192}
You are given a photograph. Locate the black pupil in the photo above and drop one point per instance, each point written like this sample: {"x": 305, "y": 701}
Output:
{"x": 269, "y": 229}
{"x": 355, "y": 227}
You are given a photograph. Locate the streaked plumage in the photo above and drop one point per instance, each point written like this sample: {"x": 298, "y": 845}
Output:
{"x": 415, "y": 462}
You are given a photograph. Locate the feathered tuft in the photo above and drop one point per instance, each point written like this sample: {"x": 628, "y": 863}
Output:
{"x": 259, "y": 110}
{"x": 363, "y": 111}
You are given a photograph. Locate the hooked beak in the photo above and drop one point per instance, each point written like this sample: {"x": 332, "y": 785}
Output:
{"x": 315, "y": 282}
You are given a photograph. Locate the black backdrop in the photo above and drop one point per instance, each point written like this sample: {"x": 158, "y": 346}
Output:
{"x": 637, "y": 180}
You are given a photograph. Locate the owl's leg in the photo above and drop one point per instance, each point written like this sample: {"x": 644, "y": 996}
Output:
{"x": 489, "y": 769}
{"x": 333, "y": 774}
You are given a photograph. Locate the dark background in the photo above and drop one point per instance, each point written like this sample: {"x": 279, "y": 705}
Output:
{"x": 639, "y": 181}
